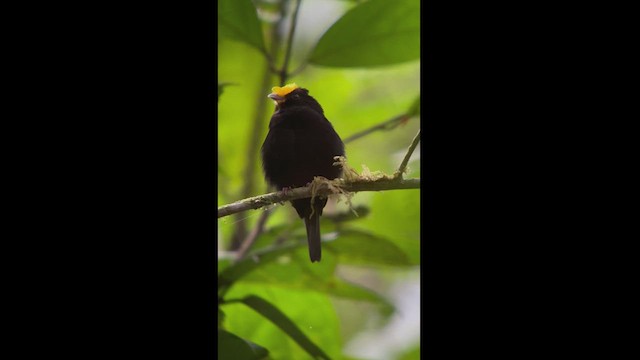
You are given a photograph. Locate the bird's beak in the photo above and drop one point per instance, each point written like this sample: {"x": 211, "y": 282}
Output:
{"x": 276, "y": 98}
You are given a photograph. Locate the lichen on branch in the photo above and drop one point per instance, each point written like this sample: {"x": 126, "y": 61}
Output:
{"x": 350, "y": 183}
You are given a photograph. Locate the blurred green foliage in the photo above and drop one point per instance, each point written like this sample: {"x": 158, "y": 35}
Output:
{"x": 372, "y": 34}
{"x": 369, "y": 52}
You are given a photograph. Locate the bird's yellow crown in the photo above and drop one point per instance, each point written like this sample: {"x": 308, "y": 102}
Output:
{"x": 284, "y": 90}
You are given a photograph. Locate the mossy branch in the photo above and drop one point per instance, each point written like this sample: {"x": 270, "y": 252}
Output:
{"x": 321, "y": 186}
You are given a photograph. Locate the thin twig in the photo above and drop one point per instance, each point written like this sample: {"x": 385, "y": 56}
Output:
{"x": 253, "y": 235}
{"x": 257, "y": 202}
{"x": 287, "y": 54}
{"x": 270, "y": 62}
{"x": 407, "y": 156}
{"x": 387, "y": 125}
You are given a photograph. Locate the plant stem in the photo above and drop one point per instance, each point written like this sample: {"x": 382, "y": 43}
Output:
{"x": 287, "y": 54}
{"x": 407, "y": 156}
{"x": 253, "y": 235}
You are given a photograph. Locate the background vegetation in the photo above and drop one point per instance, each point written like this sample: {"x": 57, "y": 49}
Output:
{"x": 360, "y": 60}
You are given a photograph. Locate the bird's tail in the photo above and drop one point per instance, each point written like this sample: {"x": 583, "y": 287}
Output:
{"x": 313, "y": 236}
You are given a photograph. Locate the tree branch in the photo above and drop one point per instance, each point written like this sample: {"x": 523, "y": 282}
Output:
{"x": 253, "y": 235}
{"x": 257, "y": 202}
{"x": 253, "y": 146}
{"x": 240, "y": 231}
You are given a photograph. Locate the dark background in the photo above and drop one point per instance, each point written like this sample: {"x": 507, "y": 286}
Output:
{"x": 121, "y": 259}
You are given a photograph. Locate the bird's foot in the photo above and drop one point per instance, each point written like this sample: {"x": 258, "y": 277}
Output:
{"x": 285, "y": 190}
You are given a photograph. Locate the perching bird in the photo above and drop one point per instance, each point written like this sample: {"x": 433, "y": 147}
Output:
{"x": 301, "y": 144}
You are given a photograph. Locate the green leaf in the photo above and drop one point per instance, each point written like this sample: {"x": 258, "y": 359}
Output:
{"x": 358, "y": 247}
{"x": 238, "y": 20}
{"x": 231, "y": 346}
{"x": 351, "y": 291}
{"x": 295, "y": 271}
{"x": 375, "y": 33}
{"x": 289, "y": 266}
{"x": 234, "y": 272}
{"x": 276, "y": 316}
{"x": 396, "y": 218}
{"x": 313, "y": 312}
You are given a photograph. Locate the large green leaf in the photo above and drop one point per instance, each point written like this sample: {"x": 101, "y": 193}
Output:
{"x": 238, "y": 20}
{"x": 358, "y": 247}
{"x": 312, "y": 312}
{"x": 232, "y": 347}
{"x": 295, "y": 271}
{"x": 289, "y": 267}
{"x": 395, "y": 217}
{"x": 277, "y": 317}
{"x": 234, "y": 272}
{"x": 377, "y": 32}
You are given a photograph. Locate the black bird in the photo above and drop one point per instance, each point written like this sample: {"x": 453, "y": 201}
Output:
{"x": 301, "y": 144}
